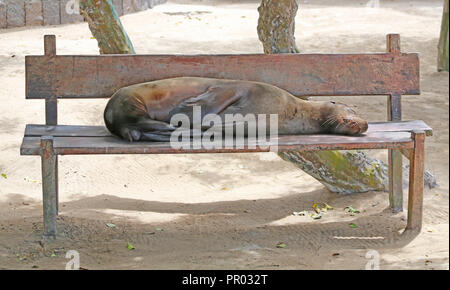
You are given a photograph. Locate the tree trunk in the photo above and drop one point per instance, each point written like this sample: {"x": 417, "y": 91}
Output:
{"x": 443, "y": 41}
{"x": 106, "y": 27}
{"x": 276, "y": 26}
{"x": 346, "y": 171}
{"x": 342, "y": 171}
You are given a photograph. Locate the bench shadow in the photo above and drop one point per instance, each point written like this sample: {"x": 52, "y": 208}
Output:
{"x": 266, "y": 220}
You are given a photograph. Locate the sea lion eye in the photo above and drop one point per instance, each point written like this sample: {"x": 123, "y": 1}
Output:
{"x": 334, "y": 103}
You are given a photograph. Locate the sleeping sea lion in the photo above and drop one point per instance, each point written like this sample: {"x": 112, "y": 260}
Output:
{"x": 142, "y": 112}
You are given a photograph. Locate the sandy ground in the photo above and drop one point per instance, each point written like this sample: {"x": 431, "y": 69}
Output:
{"x": 219, "y": 211}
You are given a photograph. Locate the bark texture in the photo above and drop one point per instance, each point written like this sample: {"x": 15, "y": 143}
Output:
{"x": 346, "y": 171}
{"x": 276, "y": 25}
{"x": 106, "y": 27}
{"x": 342, "y": 171}
{"x": 443, "y": 41}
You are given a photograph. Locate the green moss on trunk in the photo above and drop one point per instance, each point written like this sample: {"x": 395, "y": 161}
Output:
{"x": 342, "y": 171}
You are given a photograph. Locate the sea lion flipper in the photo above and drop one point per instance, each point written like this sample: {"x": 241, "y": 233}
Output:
{"x": 165, "y": 136}
{"x": 213, "y": 101}
{"x": 130, "y": 133}
{"x": 156, "y": 136}
{"x": 152, "y": 125}
{"x": 152, "y": 130}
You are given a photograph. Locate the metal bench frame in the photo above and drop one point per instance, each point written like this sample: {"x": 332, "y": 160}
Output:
{"x": 393, "y": 74}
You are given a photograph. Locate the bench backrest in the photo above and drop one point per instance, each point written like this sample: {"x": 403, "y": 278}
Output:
{"x": 393, "y": 73}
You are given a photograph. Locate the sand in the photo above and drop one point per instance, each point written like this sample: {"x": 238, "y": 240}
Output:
{"x": 219, "y": 211}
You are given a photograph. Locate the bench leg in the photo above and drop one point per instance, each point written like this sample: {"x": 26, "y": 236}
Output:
{"x": 395, "y": 181}
{"x": 49, "y": 186}
{"x": 395, "y": 157}
{"x": 416, "y": 183}
{"x": 57, "y": 187}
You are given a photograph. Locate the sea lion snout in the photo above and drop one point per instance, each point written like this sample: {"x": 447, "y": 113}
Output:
{"x": 341, "y": 119}
{"x": 355, "y": 125}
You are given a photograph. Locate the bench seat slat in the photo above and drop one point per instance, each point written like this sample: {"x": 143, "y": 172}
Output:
{"x": 101, "y": 131}
{"x": 401, "y": 126}
{"x": 66, "y": 131}
{"x": 113, "y": 145}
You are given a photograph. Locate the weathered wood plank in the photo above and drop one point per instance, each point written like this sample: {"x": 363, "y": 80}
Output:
{"x": 51, "y": 112}
{"x": 66, "y": 131}
{"x": 416, "y": 183}
{"x": 51, "y": 103}
{"x": 394, "y": 113}
{"x": 400, "y": 126}
{"x": 114, "y": 145}
{"x": 49, "y": 184}
{"x": 300, "y": 74}
{"x": 394, "y": 156}
{"x": 101, "y": 131}
{"x": 394, "y": 108}
{"x": 49, "y": 45}
{"x": 395, "y": 180}
{"x": 393, "y": 43}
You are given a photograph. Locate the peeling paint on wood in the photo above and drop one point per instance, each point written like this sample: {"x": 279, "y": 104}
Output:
{"x": 101, "y": 131}
{"x": 114, "y": 145}
{"x": 300, "y": 74}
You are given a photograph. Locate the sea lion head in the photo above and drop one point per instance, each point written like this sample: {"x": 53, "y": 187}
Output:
{"x": 339, "y": 118}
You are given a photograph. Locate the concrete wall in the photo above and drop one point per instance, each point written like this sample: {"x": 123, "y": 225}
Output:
{"x": 18, "y": 13}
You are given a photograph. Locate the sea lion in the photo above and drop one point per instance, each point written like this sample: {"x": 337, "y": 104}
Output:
{"x": 142, "y": 112}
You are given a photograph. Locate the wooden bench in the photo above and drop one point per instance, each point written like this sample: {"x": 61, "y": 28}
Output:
{"x": 393, "y": 74}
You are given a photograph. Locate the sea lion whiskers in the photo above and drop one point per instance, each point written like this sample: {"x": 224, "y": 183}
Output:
{"x": 331, "y": 120}
{"x": 328, "y": 120}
